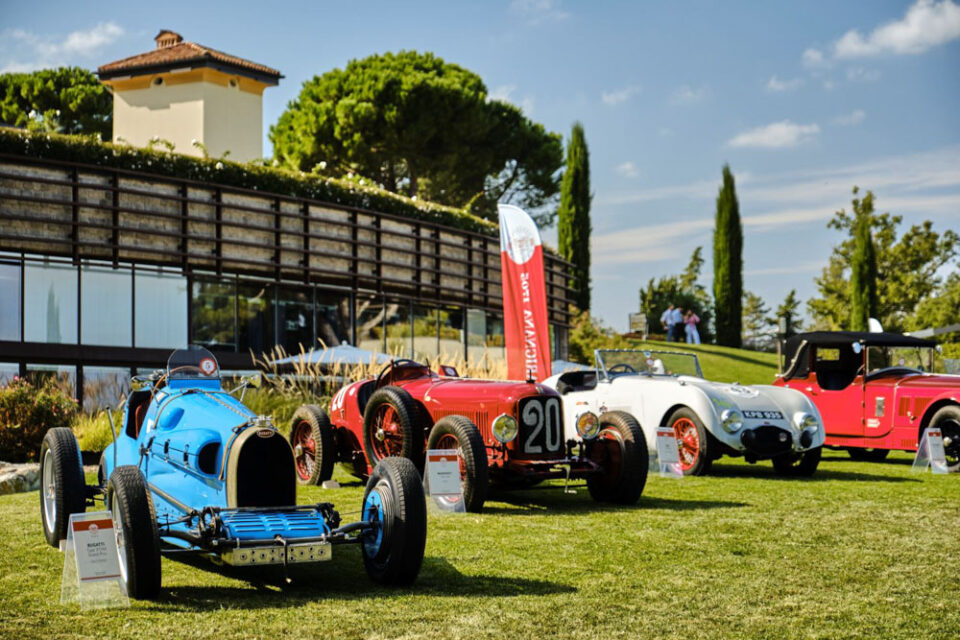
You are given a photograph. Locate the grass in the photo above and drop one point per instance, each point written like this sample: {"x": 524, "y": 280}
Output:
{"x": 860, "y": 550}
{"x": 723, "y": 364}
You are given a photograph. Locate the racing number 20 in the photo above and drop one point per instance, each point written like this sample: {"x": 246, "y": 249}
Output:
{"x": 542, "y": 417}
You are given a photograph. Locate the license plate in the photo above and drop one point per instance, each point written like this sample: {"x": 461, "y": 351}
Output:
{"x": 763, "y": 415}
{"x": 296, "y": 553}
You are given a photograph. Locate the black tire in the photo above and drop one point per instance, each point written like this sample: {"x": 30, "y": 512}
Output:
{"x": 138, "y": 538}
{"x": 317, "y": 467}
{"x": 798, "y": 464}
{"x": 868, "y": 455}
{"x": 404, "y": 528}
{"x": 621, "y": 450}
{"x": 474, "y": 454}
{"x": 704, "y": 458}
{"x": 947, "y": 419}
{"x": 62, "y": 486}
{"x": 412, "y": 431}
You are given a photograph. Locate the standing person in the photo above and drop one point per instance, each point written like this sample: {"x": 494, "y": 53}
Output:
{"x": 690, "y": 321}
{"x": 676, "y": 324}
{"x": 665, "y": 319}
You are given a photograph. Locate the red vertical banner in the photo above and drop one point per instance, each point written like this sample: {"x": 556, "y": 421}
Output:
{"x": 526, "y": 328}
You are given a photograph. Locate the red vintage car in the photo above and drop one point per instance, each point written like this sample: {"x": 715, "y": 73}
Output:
{"x": 875, "y": 391}
{"x": 509, "y": 433}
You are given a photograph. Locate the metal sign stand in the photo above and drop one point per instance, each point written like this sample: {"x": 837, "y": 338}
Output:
{"x": 668, "y": 453}
{"x": 91, "y": 565}
{"x": 441, "y": 481}
{"x": 930, "y": 453}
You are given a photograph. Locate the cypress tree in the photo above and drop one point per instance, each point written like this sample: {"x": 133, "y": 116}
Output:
{"x": 863, "y": 277}
{"x": 573, "y": 224}
{"x": 728, "y": 264}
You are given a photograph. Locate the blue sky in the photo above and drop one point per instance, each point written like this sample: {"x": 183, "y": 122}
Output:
{"x": 804, "y": 100}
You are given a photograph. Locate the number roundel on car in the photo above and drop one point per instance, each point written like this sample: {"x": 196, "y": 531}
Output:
{"x": 208, "y": 366}
{"x": 541, "y": 429}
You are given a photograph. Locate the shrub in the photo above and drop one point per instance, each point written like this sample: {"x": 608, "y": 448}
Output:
{"x": 93, "y": 431}
{"x": 587, "y": 334}
{"x": 26, "y": 412}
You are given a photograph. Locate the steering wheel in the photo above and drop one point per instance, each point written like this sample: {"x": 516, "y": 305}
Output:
{"x": 393, "y": 364}
{"x": 621, "y": 367}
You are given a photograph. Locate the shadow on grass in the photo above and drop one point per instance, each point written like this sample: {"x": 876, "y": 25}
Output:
{"x": 343, "y": 578}
{"x": 760, "y": 472}
{"x": 538, "y": 503}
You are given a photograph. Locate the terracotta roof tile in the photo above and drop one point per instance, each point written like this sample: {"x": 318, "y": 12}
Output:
{"x": 183, "y": 52}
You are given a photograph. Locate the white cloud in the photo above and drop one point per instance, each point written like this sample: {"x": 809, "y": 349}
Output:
{"x": 689, "y": 95}
{"x": 613, "y": 98}
{"x": 814, "y": 59}
{"x": 926, "y": 24}
{"x": 504, "y": 93}
{"x": 536, "y": 12}
{"x": 776, "y": 135}
{"x": 628, "y": 170}
{"x": 851, "y": 119}
{"x": 49, "y": 51}
{"x": 776, "y": 85}
{"x": 829, "y": 84}
{"x": 645, "y": 244}
{"x": 859, "y": 74}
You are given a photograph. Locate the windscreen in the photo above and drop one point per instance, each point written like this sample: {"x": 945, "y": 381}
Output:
{"x": 920, "y": 359}
{"x": 661, "y": 363}
{"x": 192, "y": 362}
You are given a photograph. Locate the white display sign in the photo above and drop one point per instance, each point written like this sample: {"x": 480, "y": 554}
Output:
{"x": 442, "y": 479}
{"x": 930, "y": 453}
{"x": 91, "y": 566}
{"x": 668, "y": 453}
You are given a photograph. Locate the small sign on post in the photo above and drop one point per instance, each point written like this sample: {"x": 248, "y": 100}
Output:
{"x": 930, "y": 453}
{"x": 668, "y": 453}
{"x": 91, "y": 564}
{"x": 442, "y": 480}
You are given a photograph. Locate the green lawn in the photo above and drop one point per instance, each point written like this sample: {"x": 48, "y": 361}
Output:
{"x": 723, "y": 364}
{"x": 861, "y": 550}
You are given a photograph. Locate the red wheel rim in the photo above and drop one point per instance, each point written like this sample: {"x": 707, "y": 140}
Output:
{"x": 688, "y": 442}
{"x": 450, "y": 441}
{"x": 304, "y": 450}
{"x": 607, "y": 453}
{"x": 387, "y": 433}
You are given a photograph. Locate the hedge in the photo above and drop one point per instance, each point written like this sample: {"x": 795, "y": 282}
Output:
{"x": 89, "y": 150}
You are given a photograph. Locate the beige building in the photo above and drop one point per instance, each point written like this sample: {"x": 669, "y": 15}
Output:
{"x": 183, "y": 92}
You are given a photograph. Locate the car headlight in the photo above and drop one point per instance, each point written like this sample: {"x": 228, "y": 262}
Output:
{"x": 803, "y": 420}
{"x": 588, "y": 425}
{"x": 731, "y": 420}
{"x": 504, "y": 427}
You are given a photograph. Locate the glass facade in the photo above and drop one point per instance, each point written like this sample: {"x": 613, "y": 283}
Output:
{"x": 425, "y": 344}
{"x": 104, "y": 387}
{"x": 106, "y": 306}
{"x": 399, "y": 333}
{"x": 255, "y": 317}
{"x": 8, "y": 371}
{"x": 295, "y": 319}
{"x": 450, "y": 334}
{"x": 9, "y": 301}
{"x": 214, "y": 309}
{"x": 333, "y": 318}
{"x": 369, "y": 317}
{"x": 62, "y": 376}
{"x": 160, "y": 309}
{"x": 50, "y": 303}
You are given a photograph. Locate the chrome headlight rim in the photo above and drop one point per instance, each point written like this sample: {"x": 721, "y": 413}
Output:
{"x": 731, "y": 420}
{"x": 588, "y": 425}
{"x": 804, "y": 420}
{"x": 504, "y": 428}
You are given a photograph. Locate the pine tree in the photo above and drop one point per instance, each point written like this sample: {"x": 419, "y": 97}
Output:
{"x": 573, "y": 225}
{"x": 789, "y": 312}
{"x": 728, "y": 264}
{"x": 863, "y": 266}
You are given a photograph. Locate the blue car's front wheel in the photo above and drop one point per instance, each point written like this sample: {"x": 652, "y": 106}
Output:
{"x": 395, "y": 506}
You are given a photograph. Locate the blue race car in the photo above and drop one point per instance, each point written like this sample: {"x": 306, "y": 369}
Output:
{"x": 193, "y": 469}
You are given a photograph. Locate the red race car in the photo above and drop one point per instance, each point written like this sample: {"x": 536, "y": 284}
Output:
{"x": 508, "y": 433}
{"x": 875, "y": 391}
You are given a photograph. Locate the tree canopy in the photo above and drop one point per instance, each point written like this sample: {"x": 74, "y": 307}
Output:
{"x": 681, "y": 291}
{"x": 728, "y": 263}
{"x": 65, "y": 100}
{"x": 573, "y": 226}
{"x": 422, "y": 127}
{"x": 863, "y": 266}
{"x": 908, "y": 269}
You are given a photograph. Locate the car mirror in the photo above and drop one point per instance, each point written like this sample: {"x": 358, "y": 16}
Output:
{"x": 253, "y": 380}
{"x": 857, "y": 347}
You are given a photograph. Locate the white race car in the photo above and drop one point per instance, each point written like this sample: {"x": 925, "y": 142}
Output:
{"x": 709, "y": 419}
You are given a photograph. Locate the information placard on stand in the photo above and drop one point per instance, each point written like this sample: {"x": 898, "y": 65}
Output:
{"x": 668, "y": 453}
{"x": 930, "y": 453}
{"x": 91, "y": 564}
{"x": 442, "y": 482}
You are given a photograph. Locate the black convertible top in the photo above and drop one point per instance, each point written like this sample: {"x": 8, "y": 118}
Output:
{"x": 796, "y": 344}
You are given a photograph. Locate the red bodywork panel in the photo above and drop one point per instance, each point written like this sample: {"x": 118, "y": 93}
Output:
{"x": 481, "y": 401}
{"x": 887, "y": 412}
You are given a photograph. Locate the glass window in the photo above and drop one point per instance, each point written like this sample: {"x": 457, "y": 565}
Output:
{"x": 495, "y": 339}
{"x": 106, "y": 303}
{"x": 295, "y": 319}
{"x": 451, "y": 335}
{"x": 50, "y": 303}
{"x": 213, "y": 305}
{"x": 255, "y": 308}
{"x": 333, "y": 318}
{"x": 476, "y": 335}
{"x": 104, "y": 387}
{"x": 62, "y": 376}
{"x": 8, "y": 371}
{"x": 425, "y": 346}
{"x": 398, "y": 330}
{"x": 161, "y": 310}
{"x": 9, "y": 301}
{"x": 370, "y": 323}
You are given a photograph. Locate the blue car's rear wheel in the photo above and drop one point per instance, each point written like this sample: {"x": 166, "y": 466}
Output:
{"x": 62, "y": 485}
{"x": 135, "y": 524}
{"x": 394, "y": 503}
